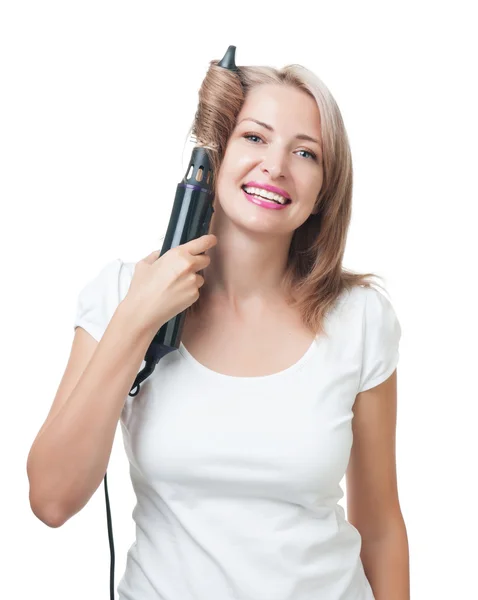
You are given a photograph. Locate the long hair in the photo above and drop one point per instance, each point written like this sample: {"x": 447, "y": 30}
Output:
{"x": 314, "y": 271}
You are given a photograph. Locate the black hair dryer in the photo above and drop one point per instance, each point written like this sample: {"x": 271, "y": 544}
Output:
{"x": 190, "y": 218}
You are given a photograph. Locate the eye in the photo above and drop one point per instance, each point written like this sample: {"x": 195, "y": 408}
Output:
{"x": 311, "y": 154}
{"x": 251, "y": 135}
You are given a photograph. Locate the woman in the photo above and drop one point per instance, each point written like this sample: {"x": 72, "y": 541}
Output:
{"x": 285, "y": 380}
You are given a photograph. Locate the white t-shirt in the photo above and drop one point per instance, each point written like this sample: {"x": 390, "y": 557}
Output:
{"x": 237, "y": 479}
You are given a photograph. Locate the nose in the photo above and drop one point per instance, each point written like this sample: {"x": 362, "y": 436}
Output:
{"x": 274, "y": 163}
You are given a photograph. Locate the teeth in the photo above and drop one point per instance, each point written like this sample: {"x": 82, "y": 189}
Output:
{"x": 266, "y": 194}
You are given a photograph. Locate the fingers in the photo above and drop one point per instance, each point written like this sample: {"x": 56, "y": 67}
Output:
{"x": 194, "y": 247}
{"x": 201, "y": 244}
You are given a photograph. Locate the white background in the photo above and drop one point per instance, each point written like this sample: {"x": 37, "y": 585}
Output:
{"x": 95, "y": 104}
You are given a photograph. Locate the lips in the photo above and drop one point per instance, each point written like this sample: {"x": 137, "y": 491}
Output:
{"x": 269, "y": 188}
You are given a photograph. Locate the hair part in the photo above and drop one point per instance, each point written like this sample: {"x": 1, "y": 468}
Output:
{"x": 314, "y": 275}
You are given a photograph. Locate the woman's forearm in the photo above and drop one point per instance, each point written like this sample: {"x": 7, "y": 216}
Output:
{"x": 386, "y": 563}
{"x": 68, "y": 460}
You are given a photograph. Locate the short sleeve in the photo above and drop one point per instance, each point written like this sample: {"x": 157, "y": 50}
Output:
{"x": 98, "y": 300}
{"x": 381, "y": 337}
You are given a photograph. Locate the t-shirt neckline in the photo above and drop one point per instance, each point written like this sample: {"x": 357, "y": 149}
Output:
{"x": 206, "y": 370}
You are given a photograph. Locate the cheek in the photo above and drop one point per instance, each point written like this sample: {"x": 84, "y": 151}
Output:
{"x": 235, "y": 166}
{"x": 316, "y": 185}
{"x": 226, "y": 180}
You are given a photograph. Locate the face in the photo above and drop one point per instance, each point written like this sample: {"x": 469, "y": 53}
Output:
{"x": 270, "y": 153}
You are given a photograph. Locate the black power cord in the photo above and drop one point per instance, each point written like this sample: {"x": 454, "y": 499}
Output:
{"x": 152, "y": 357}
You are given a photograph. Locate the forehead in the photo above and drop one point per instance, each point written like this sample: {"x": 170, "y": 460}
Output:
{"x": 284, "y": 107}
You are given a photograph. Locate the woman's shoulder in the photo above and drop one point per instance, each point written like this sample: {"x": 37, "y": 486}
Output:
{"x": 359, "y": 307}
{"x": 359, "y": 295}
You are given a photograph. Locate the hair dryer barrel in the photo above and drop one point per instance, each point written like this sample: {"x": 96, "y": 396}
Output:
{"x": 190, "y": 218}
{"x": 192, "y": 207}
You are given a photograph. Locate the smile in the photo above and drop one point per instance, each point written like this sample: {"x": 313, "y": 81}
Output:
{"x": 265, "y": 202}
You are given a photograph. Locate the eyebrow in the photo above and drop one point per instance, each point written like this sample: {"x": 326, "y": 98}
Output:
{"x": 299, "y": 136}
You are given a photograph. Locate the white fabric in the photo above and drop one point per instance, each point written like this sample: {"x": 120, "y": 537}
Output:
{"x": 237, "y": 479}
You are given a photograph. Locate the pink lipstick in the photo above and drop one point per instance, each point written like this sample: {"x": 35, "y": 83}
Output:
{"x": 265, "y": 203}
{"x": 269, "y": 188}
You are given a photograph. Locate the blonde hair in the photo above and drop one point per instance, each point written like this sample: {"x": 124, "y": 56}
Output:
{"x": 314, "y": 271}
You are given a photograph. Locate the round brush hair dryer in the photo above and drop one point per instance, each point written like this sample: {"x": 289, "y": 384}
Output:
{"x": 190, "y": 218}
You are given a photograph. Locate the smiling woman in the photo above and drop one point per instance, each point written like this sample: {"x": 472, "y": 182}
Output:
{"x": 282, "y": 340}
{"x": 284, "y": 380}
